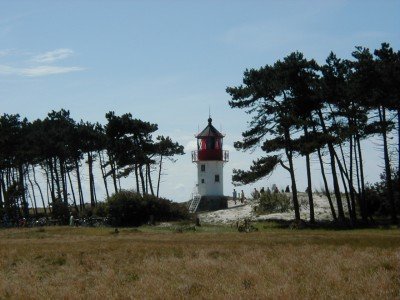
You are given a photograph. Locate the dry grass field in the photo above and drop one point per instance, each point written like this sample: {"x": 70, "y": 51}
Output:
{"x": 213, "y": 262}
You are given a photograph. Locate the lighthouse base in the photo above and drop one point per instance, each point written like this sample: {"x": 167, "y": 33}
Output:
{"x": 211, "y": 203}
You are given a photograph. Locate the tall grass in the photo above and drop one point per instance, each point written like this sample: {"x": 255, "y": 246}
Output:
{"x": 76, "y": 263}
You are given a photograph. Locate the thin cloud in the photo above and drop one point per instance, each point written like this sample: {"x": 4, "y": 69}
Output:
{"x": 48, "y": 70}
{"x": 39, "y": 65}
{"x": 7, "y": 70}
{"x": 4, "y": 52}
{"x": 52, "y": 56}
{"x": 37, "y": 71}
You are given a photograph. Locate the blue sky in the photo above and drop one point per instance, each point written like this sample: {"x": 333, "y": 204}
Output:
{"x": 167, "y": 62}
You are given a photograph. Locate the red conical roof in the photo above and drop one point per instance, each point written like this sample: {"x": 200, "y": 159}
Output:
{"x": 209, "y": 131}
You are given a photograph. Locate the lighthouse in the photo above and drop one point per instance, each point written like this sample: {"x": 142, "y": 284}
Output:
{"x": 209, "y": 158}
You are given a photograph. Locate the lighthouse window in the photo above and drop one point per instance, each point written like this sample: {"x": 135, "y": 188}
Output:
{"x": 202, "y": 181}
{"x": 211, "y": 143}
{"x": 203, "y": 168}
{"x": 216, "y": 178}
{"x": 203, "y": 144}
{"x": 217, "y": 144}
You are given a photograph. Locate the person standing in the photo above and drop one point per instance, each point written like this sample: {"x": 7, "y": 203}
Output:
{"x": 234, "y": 195}
{"x": 242, "y": 197}
{"x": 256, "y": 194}
{"x": 71, "y": 220}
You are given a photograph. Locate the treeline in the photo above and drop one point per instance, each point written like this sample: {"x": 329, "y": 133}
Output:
{"x": 42, "y": 162}
{"x": 302, "y": 108}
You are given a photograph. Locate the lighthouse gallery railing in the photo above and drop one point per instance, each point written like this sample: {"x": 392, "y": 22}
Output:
{"x": 199, "y": 155}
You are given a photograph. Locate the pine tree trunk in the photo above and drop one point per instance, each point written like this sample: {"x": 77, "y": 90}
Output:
{"x": 146, "y": 180}
{"x": 353, "y": 214}
{"x": 363, "y": 202}
{"x": 90, "y": 163}
{"x": 388, "y": 172}
{"x": 94, "y": 191}
{"x": 3, "y": 186}
{"x": 142, "y": 179}
{"x": 29, "y": 198}
{"x": 40, "y": 190}
{"x": 346, "y": 193}
{"x": 149, "y": 177}
{"x": 51, "y": 185}
{"x": 48, "y": 191}
{"x": 72, "y": 191}
{"x": 7, "y": 178}
{"x": 343, "y": 167}
{"x": 103, "y": 173}
{"x": 137, "y": 179}
{"x": 336, "y": 188}
{"x": 327, "y": 192}
{"x": 63, "y": 181}
{"x": 357, "y": 169}
{"x": 113, "y": 172}
{"x": 80, "y": 191}
{"x": 33, "y": 192}
{"x": 398, "y": 153}
{"x": 1, "y": 190}
{"x": 359, "y": 194}
{"x": 294, "y": 188}
{"x": 114, "y": 176}
{"x": 22, "y": 186}
{"x": 309, "y": 185}
{"x": 159, "y": 176}
{"x": 344, "y": 175}
{"x": 289, "y": 156}
{"x": 13, "y": 176}
{"x": 344, "y": 172}
{"x": 57, "y": 179}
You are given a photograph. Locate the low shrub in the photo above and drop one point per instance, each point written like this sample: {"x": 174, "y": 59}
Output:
{"x": 246, "y": 226}
{"x": 60, "y": 211}
{"x": 274, "y": 203}
{"x": 100, "y": 210}
{"x": 127, "y": 208}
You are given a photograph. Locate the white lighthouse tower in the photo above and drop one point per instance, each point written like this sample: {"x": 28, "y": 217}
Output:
{"x": 210, "y": 158}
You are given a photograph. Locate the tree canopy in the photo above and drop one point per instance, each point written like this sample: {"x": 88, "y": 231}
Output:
{"x": 300, "y": 108}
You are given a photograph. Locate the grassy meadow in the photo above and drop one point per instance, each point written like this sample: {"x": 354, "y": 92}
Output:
{"x": 211, "y": 262}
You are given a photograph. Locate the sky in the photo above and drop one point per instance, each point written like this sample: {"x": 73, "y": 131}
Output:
{"x": 169, "y": 62}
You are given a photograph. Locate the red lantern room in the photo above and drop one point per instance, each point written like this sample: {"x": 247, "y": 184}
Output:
{"x": 209, "y": 145}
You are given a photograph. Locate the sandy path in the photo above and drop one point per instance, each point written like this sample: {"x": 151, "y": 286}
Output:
{"x": 246, "y": 211}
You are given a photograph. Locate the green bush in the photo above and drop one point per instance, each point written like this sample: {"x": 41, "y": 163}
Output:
{"x": 128, "y": 208}
{"x": 273, "y": 203}
{"x": 376, "y": 196}
{"x": 101, "y": 209}
{"x": 60, "y": 211}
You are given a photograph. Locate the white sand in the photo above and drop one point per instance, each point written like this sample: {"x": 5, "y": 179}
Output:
{"x": 246, "y": 211}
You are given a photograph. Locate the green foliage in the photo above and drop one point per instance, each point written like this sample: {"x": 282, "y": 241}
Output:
{"x": 274, "y": 203}
{"x": 12, "y": 200}
{"x": 166, "y": 147}
{"x": 260, "y": 168}
{"x": 129, "y": 140}
{"x": 376, "y": 196}
{"x": 60, "y": 211}
{"x": 127, "y": 208}
{"x": 101, "y": 209}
